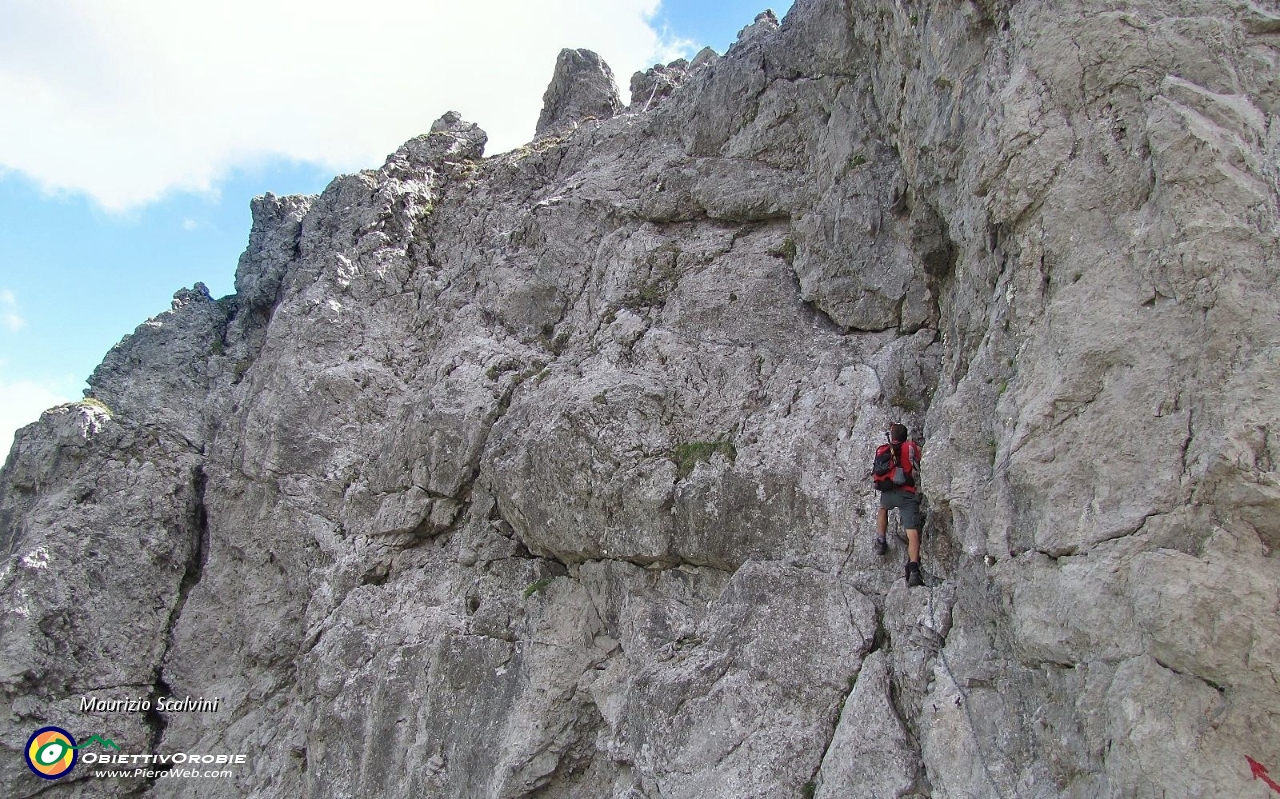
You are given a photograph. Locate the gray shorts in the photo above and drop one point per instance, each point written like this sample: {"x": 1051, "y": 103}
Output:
{"x": 908, "y": 506}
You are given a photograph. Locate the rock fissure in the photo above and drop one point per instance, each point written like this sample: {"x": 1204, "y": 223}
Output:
{"x": 963, "y": 702}
{"x": 1181, "y": 673}
{"x": 195, "y": 566}
{"x": 156, "y": 721}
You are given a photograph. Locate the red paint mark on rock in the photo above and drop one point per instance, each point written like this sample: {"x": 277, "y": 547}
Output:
{"x": 1260, "y": 773}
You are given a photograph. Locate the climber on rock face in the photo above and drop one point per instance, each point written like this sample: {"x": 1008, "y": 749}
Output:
{"x": 895, "y": 472}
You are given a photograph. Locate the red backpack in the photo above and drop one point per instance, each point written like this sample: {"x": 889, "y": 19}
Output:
{"x": 893, "y": 467}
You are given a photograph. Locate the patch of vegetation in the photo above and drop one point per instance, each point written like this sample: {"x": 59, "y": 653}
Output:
{"x": 649, "y": 295}
{"x": 498, "y": 369}
{"x": 857, "y": 160}
{"x": 536, "y": 147}
{"x": 901, "y": 398}
{"x": 237, "y": 371}
{"x": 809, "y": 789}
{"x": 504, "y": 404}
{"x": 786, "y": 251}
{"x": 94, "y": 402}
{"x": 599, "y": 399}
{"x": 848, "y": 691}
{"x": 217, "y": 348}
{"x": 687, "y": 456}
{"x": 536, "y": 586}
{"x": 1004, "y": 386}
{"x": 559, "y": 342}
{"x": 552, "y": 341}
{"x": 609, "y": 317}
{"x": 537, "y": 368}
{"x": 663, "y": 272}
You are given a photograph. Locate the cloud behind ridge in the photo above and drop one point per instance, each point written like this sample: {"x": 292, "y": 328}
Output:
{"x": 131, "y": 99}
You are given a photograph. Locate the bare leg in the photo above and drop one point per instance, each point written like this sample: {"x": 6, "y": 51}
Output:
{"x": 913, "y": 546}
{"x": 882, "y": 522}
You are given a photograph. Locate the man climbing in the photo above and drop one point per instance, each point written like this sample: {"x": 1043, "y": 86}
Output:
{"x": 895, "y": 474}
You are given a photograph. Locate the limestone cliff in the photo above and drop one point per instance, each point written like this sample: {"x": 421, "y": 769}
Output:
{"x": 546, "y": 474}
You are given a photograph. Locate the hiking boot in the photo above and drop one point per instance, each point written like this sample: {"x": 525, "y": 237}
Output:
{"x": 913, "y": 575}
{"x": 881, "y": 547}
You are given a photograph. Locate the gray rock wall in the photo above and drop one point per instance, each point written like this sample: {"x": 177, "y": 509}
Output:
{"x": 547, "y": 474}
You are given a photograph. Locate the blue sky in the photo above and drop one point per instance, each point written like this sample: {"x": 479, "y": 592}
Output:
{"x": 127, "y": 160}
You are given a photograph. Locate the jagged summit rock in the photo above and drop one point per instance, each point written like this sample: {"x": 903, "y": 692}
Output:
{"x": 765, "y": 23}
{"x": 582, "y": 86}
{"x": 705, "y": 57}
{"x": 451, "y": 139}
{"x": 273, "y": 234}
{"x": 652, "y": 86}
{"x": 197, "y": 293}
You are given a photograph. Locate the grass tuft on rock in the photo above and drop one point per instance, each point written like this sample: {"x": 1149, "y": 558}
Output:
{"x": 94, "y": 402}
{"x": 687, "y": 456}
{"x": 536, "y": 586}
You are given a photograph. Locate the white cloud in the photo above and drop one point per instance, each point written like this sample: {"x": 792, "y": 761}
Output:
{"x": 670, "y": 47}
{"x": 21, "y": 403}
{"x": 9, "y": 316}
{"x": 189, "y": 224}
{"x": 129, "y": 99}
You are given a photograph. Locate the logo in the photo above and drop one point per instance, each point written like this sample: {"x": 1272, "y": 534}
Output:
{"x": 51, "y": 752}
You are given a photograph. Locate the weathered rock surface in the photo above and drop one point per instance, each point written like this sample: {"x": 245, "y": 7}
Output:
{"x": 581, "y": 88}
{"x": 656, "y": 84}
{"x": 546, "y": 474}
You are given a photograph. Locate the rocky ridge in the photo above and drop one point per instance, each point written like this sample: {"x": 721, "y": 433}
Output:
{"x": 546, "y": 474}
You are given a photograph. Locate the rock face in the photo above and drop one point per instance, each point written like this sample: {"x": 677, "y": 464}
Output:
{"x": 581, "y": 88}
{"x": 547, "y": 474}
{"x": 655, "y": 85}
